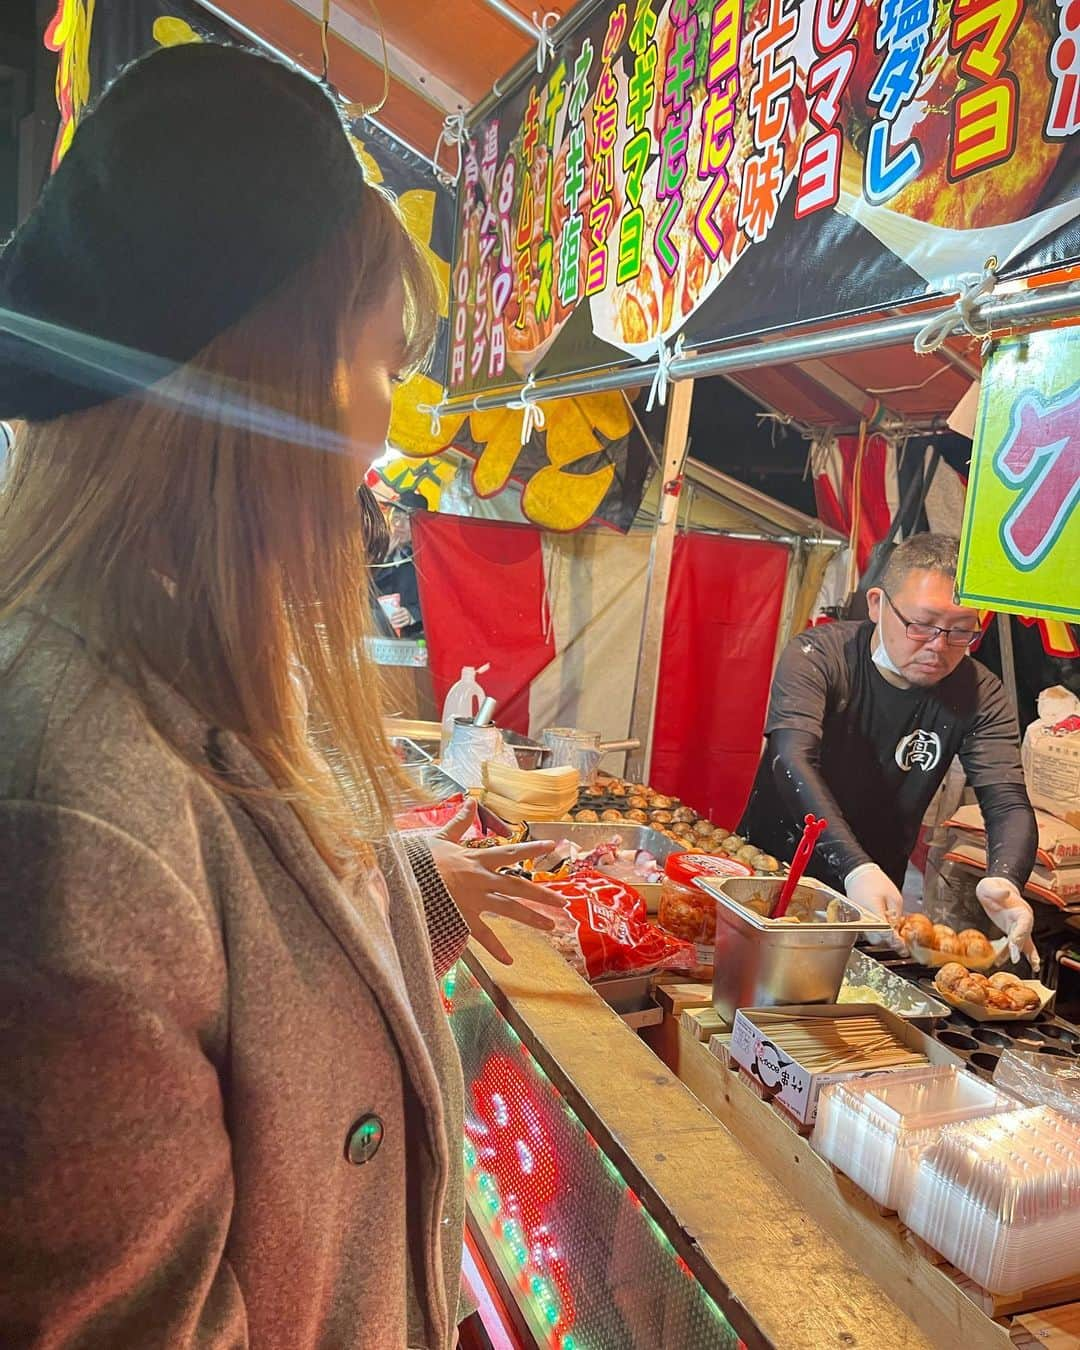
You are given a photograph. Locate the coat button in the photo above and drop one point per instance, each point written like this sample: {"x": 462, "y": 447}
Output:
{"x": 364, "y": 1139}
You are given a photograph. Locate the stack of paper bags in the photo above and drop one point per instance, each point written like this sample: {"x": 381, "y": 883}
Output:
{"x": 1055, "y": 877}
{"x": 530, "y": 794}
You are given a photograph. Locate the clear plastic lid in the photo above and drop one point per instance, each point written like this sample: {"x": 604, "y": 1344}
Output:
{"x": 1020, "y": 1167}
{"x": 930, "y": 1098}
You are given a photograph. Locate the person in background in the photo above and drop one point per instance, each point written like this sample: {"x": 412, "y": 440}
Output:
{"x": 864, "y": 720}
{"x": 230, "y": 1100}
{"x": 396, "y": 576}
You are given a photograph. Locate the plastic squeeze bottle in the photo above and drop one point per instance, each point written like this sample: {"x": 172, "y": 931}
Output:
{"x": 465, "y": 699}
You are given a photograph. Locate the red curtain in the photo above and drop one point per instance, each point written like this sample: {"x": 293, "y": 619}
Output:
{"x": 483, "y": 599}
{"x": 482, "y": 592}
{"x": 719, "y": 637}
{"x": 835, "y": 483}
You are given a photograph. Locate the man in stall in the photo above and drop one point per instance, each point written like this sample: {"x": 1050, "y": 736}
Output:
{"x": 864, "y": 721}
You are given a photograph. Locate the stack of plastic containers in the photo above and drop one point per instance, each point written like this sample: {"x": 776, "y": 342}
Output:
{"x": 874, "y": 1129}
{"x": 1000, "y": 1199}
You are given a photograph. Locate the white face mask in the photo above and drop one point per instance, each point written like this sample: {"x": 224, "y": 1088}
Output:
{"x": 881, "y": 657}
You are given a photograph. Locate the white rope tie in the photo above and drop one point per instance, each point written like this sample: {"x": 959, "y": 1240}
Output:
{"x": 532, "y": 415}
{"x": 963, "y": 314}
{"x": 434, "y": 412}
{"x": 664, "y": 357}
{"x": 451, "y": 135}
{"x": 545, "y": 43}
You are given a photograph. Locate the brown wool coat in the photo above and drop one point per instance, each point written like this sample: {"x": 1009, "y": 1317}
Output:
{"x": 193, "y": 1014}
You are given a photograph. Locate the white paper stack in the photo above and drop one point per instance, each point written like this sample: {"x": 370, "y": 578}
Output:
{"x": 1000, "y": 1199}
{"x": 875, "y": 1129}
{"x": 530, "y": 794}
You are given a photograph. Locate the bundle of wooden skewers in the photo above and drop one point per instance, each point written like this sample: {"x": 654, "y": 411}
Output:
{"x": 823, "y": 1045}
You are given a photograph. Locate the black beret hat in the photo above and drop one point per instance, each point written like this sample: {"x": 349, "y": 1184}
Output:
{"x": 205, "y": 178}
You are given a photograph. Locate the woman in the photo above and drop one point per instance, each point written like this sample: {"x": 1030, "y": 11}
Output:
{"x": 230, "y": 1105}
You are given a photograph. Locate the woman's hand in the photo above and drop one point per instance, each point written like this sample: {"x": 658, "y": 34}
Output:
{"x": 471, "y": 875}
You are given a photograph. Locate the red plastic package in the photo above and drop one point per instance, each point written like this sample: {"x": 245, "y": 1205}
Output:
{"x": 435, "y": 816}
{"x": 607, "y": 932}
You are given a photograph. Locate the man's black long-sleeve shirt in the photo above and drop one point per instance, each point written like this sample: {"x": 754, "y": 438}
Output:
{"x": 844, "y": 743}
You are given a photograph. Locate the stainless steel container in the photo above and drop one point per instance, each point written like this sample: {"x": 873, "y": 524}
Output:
{"x": 900, "y": 996}
{"x": 633, "y": 836}
{"x": 529, "y": 754}
{"x": 767, "y": 963}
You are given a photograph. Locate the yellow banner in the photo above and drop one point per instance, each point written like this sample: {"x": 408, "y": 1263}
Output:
{"x": 1020, "y": 549}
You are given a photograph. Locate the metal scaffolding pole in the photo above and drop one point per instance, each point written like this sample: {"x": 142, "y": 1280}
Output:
{"x": 1022, "y": 309}
{"x": 647, "y": 681}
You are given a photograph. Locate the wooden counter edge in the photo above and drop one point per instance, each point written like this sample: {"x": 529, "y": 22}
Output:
{"x": 769, "y": 1265}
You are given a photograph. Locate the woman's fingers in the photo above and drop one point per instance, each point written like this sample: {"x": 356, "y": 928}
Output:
{"x": 517, "y": 888}
{"x": 456, "y": 829}
{"x": 506, "y": 855}
{"x": 490, "y": 943}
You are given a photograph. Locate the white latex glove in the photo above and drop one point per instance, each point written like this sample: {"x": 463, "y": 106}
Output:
{"x": 401, "y": 618}
{"x": 869, "y": 888}
{"x": 1007, "y": 908}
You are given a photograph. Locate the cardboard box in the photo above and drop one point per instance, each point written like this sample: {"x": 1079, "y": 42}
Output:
{"x": 797, "y": 1089}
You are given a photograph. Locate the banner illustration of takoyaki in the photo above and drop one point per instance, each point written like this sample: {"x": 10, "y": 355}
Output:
{"x": 728, "y": 168}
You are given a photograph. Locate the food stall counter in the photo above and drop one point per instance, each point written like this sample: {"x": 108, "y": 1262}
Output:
{"x": 613, "y": 1209}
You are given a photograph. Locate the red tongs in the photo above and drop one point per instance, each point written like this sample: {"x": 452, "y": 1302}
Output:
{"x": 807, "y": 844}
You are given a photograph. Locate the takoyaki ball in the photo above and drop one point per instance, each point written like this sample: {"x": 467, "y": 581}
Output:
{"x": 661, "y": 802}
{"x": 1000, "y": 999}
{"x": 748, "y": 853}
{"x": 767, "y": 863}
{"x": 733, "y": 843}
{"x": 662, "y": 817}
{"x": 942, "y": 931}
{"x": 949, "y": 976}
{"x": 1021, "y": 997}
{"x": 637, "y": 803}
{"x": 1003, "y": 980}
{"x": 638, "y": 817}
{"x": 685, "y": 816}
{"x": 701, "y": 828}
{"x": 949, "y": 946}
{"x": 612, "y": 815}
{"x": 973, "y": 990}
{"x": 617, "y": 790}
{"x": 974, "y": 944}
{"x": 684, "y": 833}
{"x": 587, "y": 817}
{"x": 917, "y": 928}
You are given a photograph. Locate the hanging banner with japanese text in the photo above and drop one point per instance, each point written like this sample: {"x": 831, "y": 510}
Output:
{"x": 728, "y": 167}
{"x": 1020, "y": 548}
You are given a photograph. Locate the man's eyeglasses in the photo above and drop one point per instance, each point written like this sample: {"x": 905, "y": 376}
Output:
{"x": 927, "y": 632}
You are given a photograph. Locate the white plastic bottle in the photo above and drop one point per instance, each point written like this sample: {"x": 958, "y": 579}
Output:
{"x": 464, "y": 700}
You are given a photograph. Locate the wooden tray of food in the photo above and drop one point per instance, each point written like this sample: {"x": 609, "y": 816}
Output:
{"x": 1001, "y": 998}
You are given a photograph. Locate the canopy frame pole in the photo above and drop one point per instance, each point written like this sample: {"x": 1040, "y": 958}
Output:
{"x": 1027, "y": 308}
{"x": 792, "y": 585}
{"x": 658, "y": 581}
{"x": 1008, "y": 661}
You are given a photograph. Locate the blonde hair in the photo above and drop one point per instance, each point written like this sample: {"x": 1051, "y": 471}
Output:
{"x": 208, "y": 532}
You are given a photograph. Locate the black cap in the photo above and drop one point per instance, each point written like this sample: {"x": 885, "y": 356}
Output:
{"x": 204, "y": 179}
{"x": 410, "y": 501}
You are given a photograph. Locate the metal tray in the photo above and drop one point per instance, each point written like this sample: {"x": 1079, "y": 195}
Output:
{"x": 730, "y": 890}
{"x": 590, "y": 835}
{"x": 901, "y": 996}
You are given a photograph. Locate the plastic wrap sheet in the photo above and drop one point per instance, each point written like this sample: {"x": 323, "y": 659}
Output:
{"x": 1041, "y": 1080}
